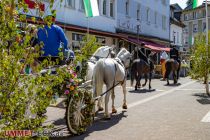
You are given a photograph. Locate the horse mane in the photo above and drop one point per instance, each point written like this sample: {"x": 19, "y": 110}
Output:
{"x": 122, "y": 51}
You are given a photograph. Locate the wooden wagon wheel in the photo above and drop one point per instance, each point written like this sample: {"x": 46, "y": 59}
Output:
{"x": 79, "y": 113}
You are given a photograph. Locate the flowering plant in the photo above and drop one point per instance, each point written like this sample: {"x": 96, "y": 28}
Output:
{"x": 71, "y": 82}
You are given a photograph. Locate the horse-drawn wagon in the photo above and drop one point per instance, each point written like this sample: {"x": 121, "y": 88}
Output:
{"x": 80, "y": 107}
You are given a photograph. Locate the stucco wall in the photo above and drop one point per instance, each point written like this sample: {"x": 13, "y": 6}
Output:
{"x": 146, "y": 28}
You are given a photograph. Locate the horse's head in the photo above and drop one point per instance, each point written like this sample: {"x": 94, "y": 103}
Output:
{"x": 125, "y": 56}
{"x": 103, "y": 52}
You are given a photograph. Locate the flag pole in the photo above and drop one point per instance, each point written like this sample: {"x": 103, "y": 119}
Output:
{"x": 88, "y": 26}
{"x": 207, "y": 49}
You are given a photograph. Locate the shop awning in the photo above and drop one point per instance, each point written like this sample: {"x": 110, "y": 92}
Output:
{"x": 149, "y": 45}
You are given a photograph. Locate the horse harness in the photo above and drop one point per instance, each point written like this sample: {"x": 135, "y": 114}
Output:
{"x": 114, "y": 85}
{"x": 122, "y": 64}
{"x": 98, "y": 57}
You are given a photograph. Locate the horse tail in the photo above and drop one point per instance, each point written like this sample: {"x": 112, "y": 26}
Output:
{"x": 132, "y": 73}
{"x": 98, "y": 78}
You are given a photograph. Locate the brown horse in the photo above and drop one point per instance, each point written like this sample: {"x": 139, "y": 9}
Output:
{"x": 138, "y": 68}
{"x": 172, "y": 66}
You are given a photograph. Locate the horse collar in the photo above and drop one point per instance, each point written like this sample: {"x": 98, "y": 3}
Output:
{"x": 92, "y": 61}
{"x": 120, "y": 62}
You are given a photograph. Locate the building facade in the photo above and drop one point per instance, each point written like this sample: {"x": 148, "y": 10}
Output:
{"x": 144, "y": 21}
{"x": 118, "y": 21}
{"x": 195, "y": 22}
{"x": 176, "y": 28}
{"x": 70, "y": 15}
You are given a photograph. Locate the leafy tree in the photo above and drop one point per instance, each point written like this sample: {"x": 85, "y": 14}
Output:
{"x": 199, "y": 59}
{"x": 89, "y": 46}
{"x": 23, "y": 98}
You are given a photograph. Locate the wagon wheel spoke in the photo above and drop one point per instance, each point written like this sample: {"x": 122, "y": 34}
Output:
{"x": 79, "y": 112}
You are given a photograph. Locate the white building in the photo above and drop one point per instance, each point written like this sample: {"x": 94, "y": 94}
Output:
{"x": 195, "y": 22}
{"x": 144, "y": 21}
{"x": 119, "y": 21}
{"x": 176, "y": 28}
{"x": 70, "y": 15}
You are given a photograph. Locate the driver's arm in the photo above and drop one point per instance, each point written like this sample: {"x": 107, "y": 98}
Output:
{"x": 62, "y": 37}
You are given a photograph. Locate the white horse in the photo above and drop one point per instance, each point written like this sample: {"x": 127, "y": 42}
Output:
{"x": 111, "y": 71}
{"x": 102, "y": 52}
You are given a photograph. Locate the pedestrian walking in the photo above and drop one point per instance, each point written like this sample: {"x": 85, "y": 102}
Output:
{"x": 163, "y": 58}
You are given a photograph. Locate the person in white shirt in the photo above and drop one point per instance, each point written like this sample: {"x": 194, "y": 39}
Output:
{"x": 163, "y": 57}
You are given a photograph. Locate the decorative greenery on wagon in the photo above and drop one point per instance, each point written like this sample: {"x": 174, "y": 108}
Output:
{"x": 89, "y": 46}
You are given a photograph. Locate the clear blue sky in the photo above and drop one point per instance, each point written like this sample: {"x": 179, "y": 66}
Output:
{"x": 181, "y": 3}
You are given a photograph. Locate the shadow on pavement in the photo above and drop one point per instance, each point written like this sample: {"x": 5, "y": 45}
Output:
{"x": 99, "y": 124}
{"x": 173, "y": 85}
{"x": 60, "y": 121}
{"x": 142, "y": 91}
{"x": 202, "y": 98}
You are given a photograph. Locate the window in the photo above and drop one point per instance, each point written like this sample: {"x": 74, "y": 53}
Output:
{"x": 174, "y": 39}
{"x": 77, "y": 41}
{"x": 194, "y": 15}
{"x": 163, "y": 22}
{"x": 138, "y": 12}
{"x": 104, "y": 7}
{"x": 127, "y": 7}
{"x": 71, "y": 3}
{"x": 177, "y": 37}
{"x": 148, "y": 12}
{"x": 77, "y": 37}
{"x": 155, "y": 18}
{"x": 82, "y": 7}
{"x": 204, "y": 13}
{"x": 185, "y": 30}
{"x": 111, "y": 8}
{"x": 185, "y": 17}
{"x": 101, "y": 40}
{"x": 204, "y": 26}
{"x": 195, "y": 28}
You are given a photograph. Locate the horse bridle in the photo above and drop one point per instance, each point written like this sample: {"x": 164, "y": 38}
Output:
{"x": 98, "y": 57}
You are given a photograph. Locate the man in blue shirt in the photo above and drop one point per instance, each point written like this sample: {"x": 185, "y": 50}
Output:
{"x": 52, "y": 37}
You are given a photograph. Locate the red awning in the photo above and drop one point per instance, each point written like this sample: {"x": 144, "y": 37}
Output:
{"x": 153, "y": 46}
{"x": 32, "y": 5}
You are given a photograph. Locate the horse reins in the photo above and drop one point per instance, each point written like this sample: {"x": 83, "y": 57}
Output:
{"x": 114, "y": 85}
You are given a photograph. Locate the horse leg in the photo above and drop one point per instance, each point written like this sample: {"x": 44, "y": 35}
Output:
{"x": 145, "y": 75}
{"x": 107, "y": 115}
{"x": 113, "y": 107}
{"x": 124, "y": 92}
{"x": 100, "y": 108}
{"x": 167, "y": 73}
{"x": 178, "y": 71}
{"x": 150, "y": 77}
{"x": 137, "y": 82}
{"x": 139, "y": 85}
{"x": 175, "y": 77}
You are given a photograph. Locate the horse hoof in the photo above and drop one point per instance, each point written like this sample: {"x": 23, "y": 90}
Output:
{"x": 135, "y": 88}
{"x": 150, "y": 88}
{"x": 100, "y": 109}
{"x": 114, "y": 111}
{"x": 124, "y": 106}
{"x": 107, "y": 117}
{"x": 143, "y": 85}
